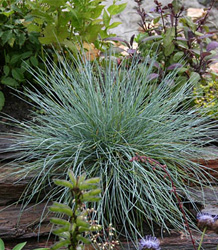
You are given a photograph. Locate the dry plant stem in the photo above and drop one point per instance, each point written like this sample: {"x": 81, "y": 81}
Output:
{"x": 155, "y": 163}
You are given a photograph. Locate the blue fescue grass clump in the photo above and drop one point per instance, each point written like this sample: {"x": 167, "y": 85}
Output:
{"x": 93, "y": 119}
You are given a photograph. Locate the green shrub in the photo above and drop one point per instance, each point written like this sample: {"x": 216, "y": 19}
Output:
{"x": 28, "y": 28}
{"x": 18, "y": 47}
{"x": 95, "y": 120}
{"x": 70, "y": 22}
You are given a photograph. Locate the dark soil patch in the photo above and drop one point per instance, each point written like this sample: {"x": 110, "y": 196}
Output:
{"x": 15, "y": 108}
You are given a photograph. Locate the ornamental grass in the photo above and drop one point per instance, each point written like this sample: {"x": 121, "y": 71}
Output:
{"x": 93, "y": 118}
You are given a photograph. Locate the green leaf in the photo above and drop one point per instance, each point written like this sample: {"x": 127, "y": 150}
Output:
{"x": 2, "y": 245}
{"x": 187, "y": 21}
{"x": 194, "y": 77}
{"x": 33, "y": 28}
{"x": 80, "y": 221}
{"x": 60, "y": 244}
{"x": 106, "y": 19}
{"x": 7, "y": 13}
{"x": 92, "y": 32}
{"x": 63, "y": 183}
{"x": 95, "y": 180}
{"x": 89, "y": 184}
{"x": 182, "y": 70}
{"x": 7, "y": 58}
{"x": 206, "y": 28}
{"x": 59, "y": 221}
{"x": 116, "y": 9}
{"x": 2, "y": 103}
{"x": 61, "y": 208}
{"x": 17, "y": 74}
{"x": 91, "y": 194}
{"x": 9, "y": 81}
{"x": 168, "y": 50}
{"x": 178, "y": 56}
{"x": 6, "y": 36}
{"x": 26, "y": 54}
{"x": 52, "y": 34}
{"x": 21, "y": 39}
{"x": 156, "y": 20}
{"x": 60, "y": 230}
{"x": 72, "y": 177}
{"x": 114, "y": 25}
{"x": 169, "y": 36}
{"x": 81, "y": 178}
{"x": 15, "y": 58}
{"x": 85, "y": 186}
{"x": 83, "y": 239}
{"x": 97, "y": 11}
{"x": 34, "y": 61}
{"x": 19, "y": 246}
{"x": 84, "y": 229}
{"x": 176, "y": 6}
{"x": 11, "y": 41}
{"x": 6, "y": 70}
{"x": 91, "y": 199}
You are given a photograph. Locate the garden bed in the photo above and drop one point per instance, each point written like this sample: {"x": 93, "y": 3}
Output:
{"x": 27, "y": 229}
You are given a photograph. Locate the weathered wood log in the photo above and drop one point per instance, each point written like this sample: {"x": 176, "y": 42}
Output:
{"x": 11, "y": 186}
{"x": 15, "y": 223}
{"x": 173, "y": 242}
{"x": 5, "y": 142}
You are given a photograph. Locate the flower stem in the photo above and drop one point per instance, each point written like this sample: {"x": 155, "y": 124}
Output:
{"x": 202, "y": 237}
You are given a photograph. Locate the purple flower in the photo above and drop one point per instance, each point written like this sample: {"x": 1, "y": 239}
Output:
{"x": 205, "y": 220}
{"x": 149, "y": 242}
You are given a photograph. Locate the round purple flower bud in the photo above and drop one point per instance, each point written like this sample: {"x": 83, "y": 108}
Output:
{"x": 205, "y": 220}
{"x": 149, "y": 243}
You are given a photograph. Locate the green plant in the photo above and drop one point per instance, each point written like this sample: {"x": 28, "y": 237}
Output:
{"x": 71, "y": 22}
{"x": 74, "y": 230}
{"x": 95, "y": 120}
{"x": 174, "y": 36}
{"x": 18, "y": 246}
{"x": 206, "y": 97}
{"x": 18, "y": 47}
{"x": 28, "y": 28}
{"x": 177, "y": 42}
